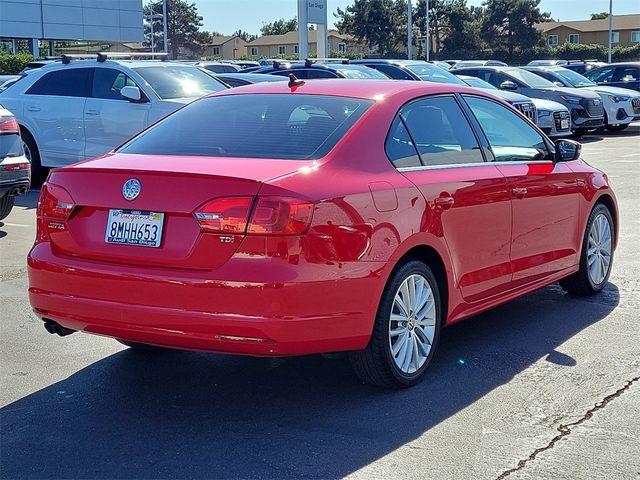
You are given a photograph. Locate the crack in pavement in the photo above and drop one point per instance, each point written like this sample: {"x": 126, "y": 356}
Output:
{"x": 566, "y": 429}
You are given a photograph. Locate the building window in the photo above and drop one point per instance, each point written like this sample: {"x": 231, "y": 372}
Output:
{"x": 282, "y": 50}
{"x": 295, "y": 49}
{"x": 574, "y": 38}
{"x": 553, "y": 40}
{"x": 216, "y": 50}
{"x": 254, "y": 51}
{"x": 615, "y": 37}
{"x": 635, "y": 37}
{"x": 342, "y": 48}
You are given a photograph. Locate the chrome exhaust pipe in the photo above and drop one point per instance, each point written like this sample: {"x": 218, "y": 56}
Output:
{"x": 57, "y": 329}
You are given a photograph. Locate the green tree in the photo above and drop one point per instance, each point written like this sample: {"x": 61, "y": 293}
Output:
{"x": 279, "y": 27}
{"x": 183, "y": 25}
{"x": 510, "y": 24}
{"x": 452, "y": 25}
{"x": 599, "y": 16}
{"x": 246, "y": 36}
{"x": 381, "y": 24}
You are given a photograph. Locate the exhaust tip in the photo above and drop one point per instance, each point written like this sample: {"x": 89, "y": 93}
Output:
{"x": 55, "y": 328}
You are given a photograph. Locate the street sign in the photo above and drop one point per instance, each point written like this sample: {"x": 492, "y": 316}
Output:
{"x": 317, "y": 11}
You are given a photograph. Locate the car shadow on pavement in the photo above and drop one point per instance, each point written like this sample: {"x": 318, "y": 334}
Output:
{"x": 175, "y": 414}
{"x": 29, "y": 200}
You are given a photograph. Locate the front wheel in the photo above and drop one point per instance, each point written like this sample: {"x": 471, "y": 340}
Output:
{"x": 617, "y": 128}
{"x": 596, "y": 257}
{"x": 406, "y": 329}
{"x": 6, "y": 204}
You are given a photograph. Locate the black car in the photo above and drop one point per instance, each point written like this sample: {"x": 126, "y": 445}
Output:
{"x": 312, "y": 69}
{"x": 240, "y": 79}
{"x": 624, "y": 75}
{"x": 583, "y": 67}
{"x": 410, "y": 70}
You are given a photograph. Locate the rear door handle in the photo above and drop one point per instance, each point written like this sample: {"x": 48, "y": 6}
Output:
{"x": 33, "y": 108}
{"x": 92, "y": 112}
{"x": 444, "y": 202}
{"x": 519, "y": 191}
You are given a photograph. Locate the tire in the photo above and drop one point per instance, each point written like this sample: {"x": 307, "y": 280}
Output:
{"x": 377, "y": 364}
{"x": 617, "y": 128}
{"x": 38, "y": 172}
{"x": 587, "y": 281}
{"x": 6, "y": 204}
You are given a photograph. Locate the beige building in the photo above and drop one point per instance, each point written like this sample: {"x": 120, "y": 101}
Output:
{"x": 625, "y": 31}
{"x": 270, "y": 46}
{"x": 227, "y": 48}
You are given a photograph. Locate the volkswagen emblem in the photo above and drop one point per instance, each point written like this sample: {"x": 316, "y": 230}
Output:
{"x": 131, "y": 189}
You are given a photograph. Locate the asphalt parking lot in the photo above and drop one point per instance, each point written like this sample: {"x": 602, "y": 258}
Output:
{"x": 544, "y": 387}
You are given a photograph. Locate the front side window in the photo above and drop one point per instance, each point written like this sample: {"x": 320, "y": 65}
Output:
{"x": 107, "y": 83}
{"x": 627, "y": 74}
{"x": 553, "y": 40}
{"x": 392, "y": 71}
{"x": 281, "y": 126}
{"x": 574, "y": 38}
{"x": 601, "y": 76}
{"x": 510, "y": 137}
{"x": 176, "y": 81}
{"x": 441, "y": 132}
{"x": 73, "y": 82}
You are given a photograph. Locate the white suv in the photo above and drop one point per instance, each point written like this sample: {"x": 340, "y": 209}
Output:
{"x": 73, "y": 110}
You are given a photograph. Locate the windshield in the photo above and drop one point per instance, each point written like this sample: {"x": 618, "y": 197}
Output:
{"x": 531, "y": 80}
{"x": 279, "y": 126}
{"x": 431, "y": 73}
{"x": 479, "y": 83}
{"x": 574, "y": 78}
{"x": 362, "y": 73}
{"x": 179, "y": 81}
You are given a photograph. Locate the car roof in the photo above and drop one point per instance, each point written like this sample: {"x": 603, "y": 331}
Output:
{"x": 386, "y": 60}
{"x": 126, "y": 63}
{"x": 253, "y": 77}
{"x": 363, "y": 89}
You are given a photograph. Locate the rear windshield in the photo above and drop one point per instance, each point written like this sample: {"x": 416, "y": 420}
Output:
{"x": 10, "y": 145}
{"x": 281, "y": 126}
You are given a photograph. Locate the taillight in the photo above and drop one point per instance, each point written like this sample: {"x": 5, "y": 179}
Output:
{"x": 17, "y": 166}
{"x": 225, "y": 215}
{"x": 269, "y": 216}
{"x": 9, "y": 125}
{"x": 280, "y": 216}
{"x": 55, "y": 206}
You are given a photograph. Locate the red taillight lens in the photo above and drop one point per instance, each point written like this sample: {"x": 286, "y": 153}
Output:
{"x": 17, "y": 166}
{"x": 225, "y": 215}
{"x": 55, "y": 206}
{"x": 280, "y": 216}
{"x": 9, "y": 125}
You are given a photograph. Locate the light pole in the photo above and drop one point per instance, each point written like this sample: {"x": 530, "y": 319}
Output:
{"x": 150, "y": 18}
{"x": 165, "y": 23}
{"x": 610, "y": 20}
{"x": 427, "y": 41}
{"x": 409, "y": 30}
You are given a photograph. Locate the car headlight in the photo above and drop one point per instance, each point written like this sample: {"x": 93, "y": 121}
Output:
{"x": 618, "y": 98}
{"x": 570, "y": 99}
{"x": 543, "y": 113}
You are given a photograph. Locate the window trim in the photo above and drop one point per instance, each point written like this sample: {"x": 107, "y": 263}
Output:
{"x": 637, "y": 33}
{"x": 472, "y": 125}
{"x": 342, "y": 47}
{"x": 550, "y": 43}
{"x": 574, "y": 35}
{"x": 282, "y": 49}
{"x": 215, "y": 51}
{"x": 612, "y": 37}
{"x": 254, "y": 51}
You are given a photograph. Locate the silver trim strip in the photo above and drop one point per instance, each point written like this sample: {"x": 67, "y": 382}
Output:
{"x": 462, "y": 165}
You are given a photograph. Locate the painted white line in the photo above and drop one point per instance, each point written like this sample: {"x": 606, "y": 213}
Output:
{"x": 631, "y": 155}
{"x": 18, "y": 225}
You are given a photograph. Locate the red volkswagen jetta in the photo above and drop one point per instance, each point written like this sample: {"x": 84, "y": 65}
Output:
{"x": 358, "y": 216}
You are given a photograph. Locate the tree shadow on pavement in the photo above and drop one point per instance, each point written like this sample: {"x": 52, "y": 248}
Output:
{"x": 191, "y": 415}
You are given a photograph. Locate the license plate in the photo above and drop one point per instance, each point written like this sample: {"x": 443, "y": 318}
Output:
{"x": 134, "y": 227}
{"x": 564, "y": 124}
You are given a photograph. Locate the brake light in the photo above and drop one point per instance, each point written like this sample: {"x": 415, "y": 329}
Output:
{"x": 225, "y": 215}
{"x": 55, "y": 206}
{"x": 280, "y": 216}
{"x": 17, "y": 166}
{"x": 270, "y": 216}
{"x": 9, "y": 125}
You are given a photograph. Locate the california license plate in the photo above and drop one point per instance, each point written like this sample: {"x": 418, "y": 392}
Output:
{"x": 134, "y": 227}
{"x": 564, "y": 124}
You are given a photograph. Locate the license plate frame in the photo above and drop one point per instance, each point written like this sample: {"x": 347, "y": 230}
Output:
{"x": 138, "y": 228}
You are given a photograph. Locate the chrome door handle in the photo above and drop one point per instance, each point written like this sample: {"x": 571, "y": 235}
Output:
{"x": 444, "y": 202}
{"x": 519, "y": 191}
{"x": 33, "y": 108}
{"x": 92, "y": 112}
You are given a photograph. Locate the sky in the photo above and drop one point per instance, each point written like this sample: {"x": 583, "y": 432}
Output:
{"x": 226, "y": 16}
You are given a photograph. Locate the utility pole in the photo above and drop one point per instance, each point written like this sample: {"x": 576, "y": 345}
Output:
{"x": 165, "y": 26}
{"x": 427, "y": 32}
{"x": 303, "y": 30}
{"x": 409, "y": 30}
{"x": 610, "y": 21}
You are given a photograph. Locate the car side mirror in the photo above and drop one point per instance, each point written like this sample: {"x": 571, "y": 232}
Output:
{"x": 132, "y": 94}
{"x": 508, "y": 85}
{"x": 567, "y": 150}
{"x": 558, "y": 84}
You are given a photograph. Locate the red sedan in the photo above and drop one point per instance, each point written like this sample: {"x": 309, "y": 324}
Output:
{"x": 358, "y": 216}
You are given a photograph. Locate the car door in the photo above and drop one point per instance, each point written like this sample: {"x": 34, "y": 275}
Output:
{"x": 110, "y": 119}
{"x": 544, "y": 194}
{"x": 468, "y": 198}
{"x": 54, "y": 107}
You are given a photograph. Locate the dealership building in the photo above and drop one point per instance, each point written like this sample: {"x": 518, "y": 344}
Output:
{"x": 35, "y": 25}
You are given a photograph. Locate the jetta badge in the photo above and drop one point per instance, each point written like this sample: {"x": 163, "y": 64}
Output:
{"x": 131, "y": 189}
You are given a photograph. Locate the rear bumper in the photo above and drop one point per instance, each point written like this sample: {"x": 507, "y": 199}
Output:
{"x": 14, "y": 182}
{"x": 305, "y": 308}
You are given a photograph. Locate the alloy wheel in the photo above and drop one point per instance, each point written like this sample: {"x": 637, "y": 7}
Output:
{"x": 599, "y": 249}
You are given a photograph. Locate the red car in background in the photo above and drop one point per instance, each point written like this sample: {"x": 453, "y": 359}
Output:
{"x": 358, "y": 216}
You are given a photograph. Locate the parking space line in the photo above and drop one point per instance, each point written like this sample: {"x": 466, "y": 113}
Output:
{"x": 17, "y": 225}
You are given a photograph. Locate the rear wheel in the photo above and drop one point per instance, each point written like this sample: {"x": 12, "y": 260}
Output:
{"x": 38, "y": 172}
{"x": 406, "y": 329}
{"x": 6, "y": 204}
{"x": 617, "y": 128}
{"x": 596, "y": 257}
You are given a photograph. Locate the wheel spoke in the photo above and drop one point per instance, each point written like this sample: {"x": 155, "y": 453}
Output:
{"x": 408, "y": 354}
{"x": 399, "y": 344}
{"x": 425, "y": 333}
{"x": 401, "y": 306}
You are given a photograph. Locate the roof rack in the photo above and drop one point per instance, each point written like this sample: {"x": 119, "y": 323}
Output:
{"x": 103, "y": 56}
{"x": 310, "y": 61}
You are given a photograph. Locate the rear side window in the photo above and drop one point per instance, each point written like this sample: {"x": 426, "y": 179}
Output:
{"x": 73, "y": 82}
{"x": 107, "y": 83}
{"x": 399, "y": 146}
{"x": 253, "y": 126}
{"x": 441, "y": 132}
